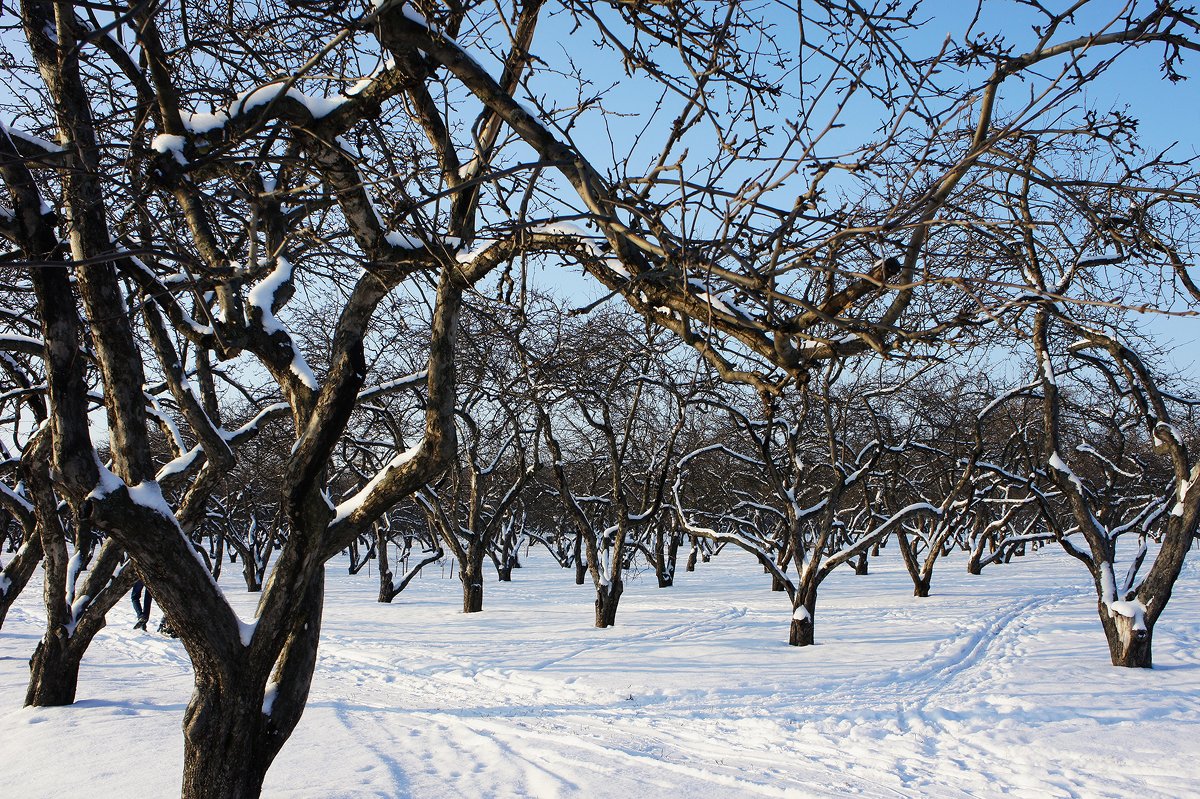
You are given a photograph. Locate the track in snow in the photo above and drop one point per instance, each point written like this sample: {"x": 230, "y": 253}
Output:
{"x": 997, "y": 685}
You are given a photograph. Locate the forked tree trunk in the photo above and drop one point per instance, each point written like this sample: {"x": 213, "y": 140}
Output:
{"x": 607, "y": 598}
{"x": 53, "y": 672}
{"x": 974, "y": 562}
{"x": 1126, "y": 646}
{"x": 16, "y": 575}
{"x": 921, "y": 579}
{"x": 861, "y": 566}
{"x": 507, "y": 559}
{"x": 230, "y": 736}
{"x": 251, "y": 574}
{"x": 54, "y": 667}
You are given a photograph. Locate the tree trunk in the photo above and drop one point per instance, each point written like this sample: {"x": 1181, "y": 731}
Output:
{"x": 223, "y": 734}
{"x": 1126, "y": 646}
{"x": 250, "y": 573}
{"x": 664, "y": 563}
{"x": 781, "y": 559}
{"x": 16, "y": 575}
{"x": 472, "y": 592}
{"x": 219, "y": 558}
{"x": 231, "y": 732}
{"x": 53, "y": 672}
{"x": 974, "y": 561}
{"x": 385, "y": 569}
{"x": 580, "y": 561}
{"x": 666, "y": 556}
{"x": 801, "y": 631}
{"x": 861, "y": 566}
{"x": 504, "y": 573}
{"x": 921, "y": 585}
{"x": 54, "y": 667}
{"x": 471, "y": 574}
{"x": 607, "y": 597}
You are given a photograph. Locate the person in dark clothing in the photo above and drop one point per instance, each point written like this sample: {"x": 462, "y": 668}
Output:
{"x": 140, "y": 607}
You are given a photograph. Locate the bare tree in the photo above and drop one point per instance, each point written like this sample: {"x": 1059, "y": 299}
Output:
{"x": 212, "y": 168}
{"x": 805, "y": 497}
{"x": 1121, "y": 499}
{"x": 410, "y": 526}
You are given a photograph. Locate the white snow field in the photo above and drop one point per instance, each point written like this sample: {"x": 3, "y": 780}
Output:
{"x": 998, "y": 685}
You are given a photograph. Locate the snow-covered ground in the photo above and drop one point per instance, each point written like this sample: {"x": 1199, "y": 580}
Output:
{"x": 998, "y": 685}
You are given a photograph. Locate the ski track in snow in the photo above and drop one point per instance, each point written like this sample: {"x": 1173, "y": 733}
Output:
{"x": 995, "y": 686}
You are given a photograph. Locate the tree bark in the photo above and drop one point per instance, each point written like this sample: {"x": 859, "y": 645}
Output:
{"x": 231, "y": 730}
{"x": 861, "y": 566}
{"x": 18, "y": 572}
{"x": 471, "y": 574}
{"x": 223, "y": 730}
{"x": 54, "y": 667}
{"x": 53, "y": 672}
{"x": 1126, "y": 646}
{"x": 607, "y": 598}
{"x": 580, "y": 560}
{"x": 801, "y": 632}
{"x": 666, "y": 552}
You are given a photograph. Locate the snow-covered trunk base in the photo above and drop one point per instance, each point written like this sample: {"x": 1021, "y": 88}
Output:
{"x": 224, "y": 756}
{"x": 801, "y": 631}
{"x": 861, "y": 566}
{"x": 921, "y": 585}
{"x": 53, "y": 672}
{"x": 504, "y": 573}
{"x": 691, "y": 561}
{"x": 1127, "y": 647}
{"x": 607, "y": 598}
